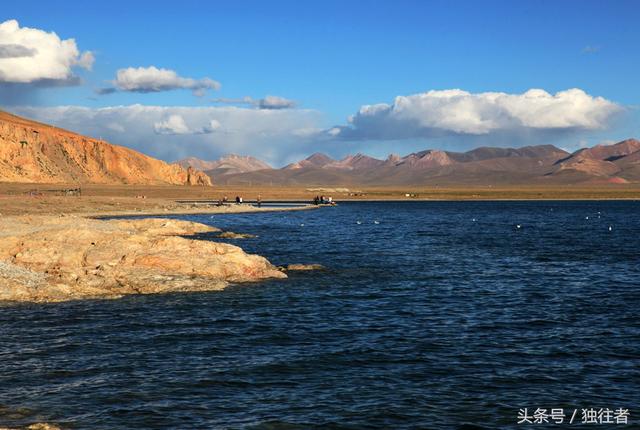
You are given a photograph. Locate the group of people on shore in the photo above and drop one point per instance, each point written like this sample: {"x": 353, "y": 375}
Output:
{"x": 239, "y": 200}
{"x": 323, "y": 200}
{"x": 317, "y": 200}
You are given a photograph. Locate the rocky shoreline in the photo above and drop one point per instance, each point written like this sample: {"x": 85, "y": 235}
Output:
{"x": 48, "y": 258}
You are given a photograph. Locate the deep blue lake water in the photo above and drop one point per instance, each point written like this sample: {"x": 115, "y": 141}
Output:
{"x": 442, "y": 315}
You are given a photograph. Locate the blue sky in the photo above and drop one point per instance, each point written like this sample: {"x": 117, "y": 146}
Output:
{"x": 331, "y": 58}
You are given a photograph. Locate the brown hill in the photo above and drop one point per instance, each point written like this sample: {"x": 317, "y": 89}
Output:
{"x": 355, "y": 162}
{"x": 229, "y": 164}
{"x": 197, "y": 163}
{"x": 603, "y": 161}
{"x": 316, "y": 160}
{"x": 489, "y": 153}
{"x": 39, "y": 153}
{"x": 609, "y": 152}
{"x": 426, "y": 159}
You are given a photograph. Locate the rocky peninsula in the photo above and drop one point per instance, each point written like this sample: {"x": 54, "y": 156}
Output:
{"x": 49, "y": 258}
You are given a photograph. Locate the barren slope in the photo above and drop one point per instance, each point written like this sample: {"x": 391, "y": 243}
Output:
{"x": 39, "y": 153}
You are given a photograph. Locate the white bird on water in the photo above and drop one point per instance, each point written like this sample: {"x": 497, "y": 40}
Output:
{"x": 301, "y": 225}
{"x": 518, "y": 226}
{"x": 358, "y": 222}
{"x": 376, "y": 222}
{"x": 610, "y": 228}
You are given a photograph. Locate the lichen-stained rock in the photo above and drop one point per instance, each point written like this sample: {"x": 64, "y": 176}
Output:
{"x": 47, "y": 258}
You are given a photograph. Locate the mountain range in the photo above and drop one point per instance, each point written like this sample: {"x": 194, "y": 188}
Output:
{"x": 541, "y": 164}
{"x": 39, "y": 153}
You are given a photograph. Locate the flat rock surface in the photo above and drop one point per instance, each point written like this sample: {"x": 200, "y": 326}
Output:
{"x": 56, "y": 258}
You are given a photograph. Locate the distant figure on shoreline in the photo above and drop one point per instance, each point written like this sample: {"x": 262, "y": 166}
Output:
{"x": 238, "y": 200}
{"x": 323, "y": 200}
{"x": 259, "y": 200}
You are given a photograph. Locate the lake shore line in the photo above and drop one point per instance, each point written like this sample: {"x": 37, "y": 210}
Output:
{"x": 45, "y": 258}
{"x": 68, "y": 248}
{"x": 21, "y": 198}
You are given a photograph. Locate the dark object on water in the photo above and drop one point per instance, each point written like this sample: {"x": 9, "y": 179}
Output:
{"x": 302, "y": 267}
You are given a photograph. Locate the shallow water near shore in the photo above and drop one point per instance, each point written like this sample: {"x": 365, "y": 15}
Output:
{"x": 430, "y": 315}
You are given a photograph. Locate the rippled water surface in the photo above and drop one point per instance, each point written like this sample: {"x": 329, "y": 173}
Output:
{"x": 441, "y": 315}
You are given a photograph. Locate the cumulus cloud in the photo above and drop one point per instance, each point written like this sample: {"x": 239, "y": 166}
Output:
{"x": 152, "y": 79}
{"x": 457, "y": 112}
{"x": 213, "y": 126}
{"x": 175, "y": 124}
{"x": 86, "y": 60}
{"x": 275, "y": 102}
{"x": 174, "y": 132}
{"x": 30, "y": 55}
{"x": 268, "y": 102}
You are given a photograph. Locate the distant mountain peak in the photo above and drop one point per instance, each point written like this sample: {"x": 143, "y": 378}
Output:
{"x": 319, "y": 158}
{"x": 428, "y": 158}
{"x": 229, "y": 163}
{"x": 315, "y": 160}
{"x": 358, "y": 161}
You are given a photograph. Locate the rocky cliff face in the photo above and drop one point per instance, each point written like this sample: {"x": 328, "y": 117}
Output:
{"x": 34, "y": 152}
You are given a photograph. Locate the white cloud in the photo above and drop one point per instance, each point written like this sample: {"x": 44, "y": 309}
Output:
{"x": 172, "y": 133}
{"x": 86, "y": 60}
{"x": 457, "y": 112}
{"x": 173, "y": 125}
{"x": 151, "y": 79}
{"x": 30, "y": 55}
{"x": 213, "y": 126}
{"x": 268, "y": 102}
{"x": 275, "y": 102}
{"x": 334, "y": 131}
